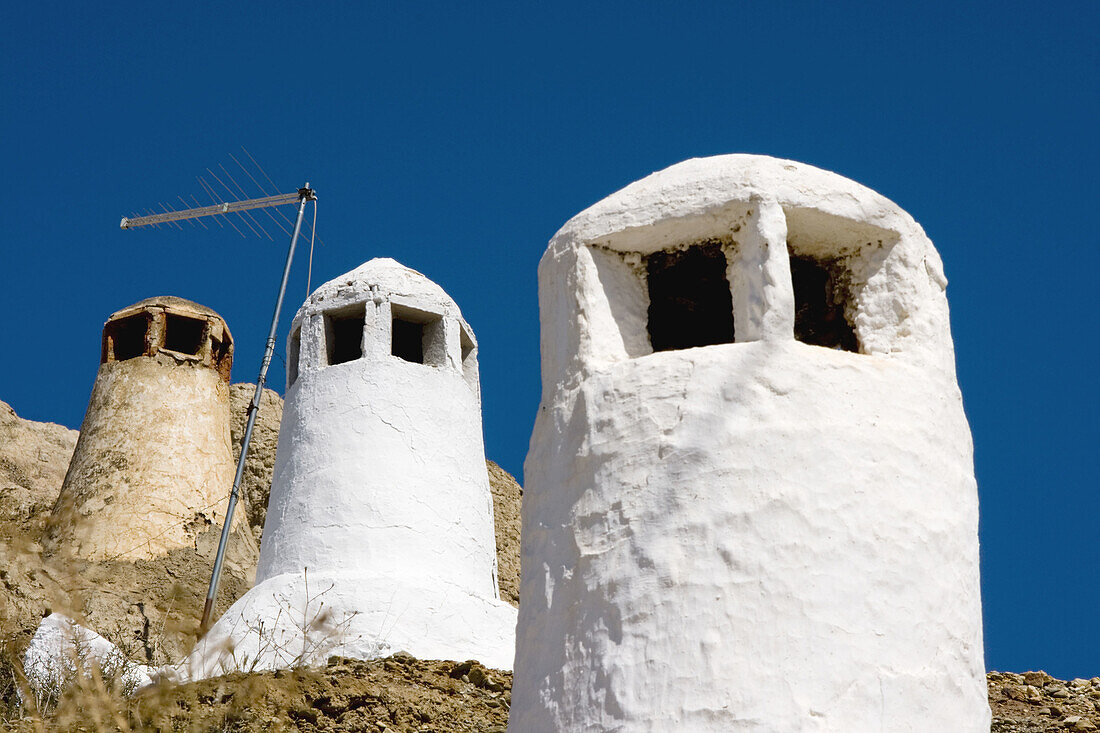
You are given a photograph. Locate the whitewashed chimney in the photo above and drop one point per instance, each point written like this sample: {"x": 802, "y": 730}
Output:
{"x": 379, "y": 531}
{"x": 750, "y": 500}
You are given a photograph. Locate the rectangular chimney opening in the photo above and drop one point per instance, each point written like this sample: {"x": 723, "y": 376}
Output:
{"x": 293, "y": 346}
{"x": 467, "y": 347}
{"x": 126, "y": 337}
{"x": 344, "y": 334}
{"x": 418, "y": 335}
{"x": 408, "y": 340}
{"x": 690, "y": 302}
{"x": 183, "y": 335}
{"x": 821, "y": 293}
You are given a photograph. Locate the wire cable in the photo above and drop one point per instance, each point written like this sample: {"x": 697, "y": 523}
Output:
{"x": 312, "y": 234}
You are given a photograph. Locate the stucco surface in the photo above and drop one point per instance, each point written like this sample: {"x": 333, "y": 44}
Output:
{"x": 756, "y": 536}
{"x": 380, "y": 482}
{"x": 304, "y": 618}
{"x": 152, "y": 466}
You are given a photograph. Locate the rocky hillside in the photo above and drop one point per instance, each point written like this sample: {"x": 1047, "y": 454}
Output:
{"x": 507, "y": 495}
{"x": 150, "y": 608}
{"x": 1035, "y": 701}
{"x": 256, "y": 484}
{"x": 33, "y": 459}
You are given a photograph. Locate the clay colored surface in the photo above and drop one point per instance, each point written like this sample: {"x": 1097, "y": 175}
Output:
{"x": 148, "y": 607}
{"x": 398, "y": 694}
{"x": 153, "y": 465}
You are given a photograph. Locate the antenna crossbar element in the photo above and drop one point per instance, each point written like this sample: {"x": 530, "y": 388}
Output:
{"x": 228, "y": 207}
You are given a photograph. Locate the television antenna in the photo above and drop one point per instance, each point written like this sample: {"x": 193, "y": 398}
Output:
{"x": 242, "y": 208}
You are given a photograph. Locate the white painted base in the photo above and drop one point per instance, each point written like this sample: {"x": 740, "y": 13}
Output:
{"x": 302, "y": 619}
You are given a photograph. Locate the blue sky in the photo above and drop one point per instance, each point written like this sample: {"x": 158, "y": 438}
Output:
{"x": 458, "y": 139}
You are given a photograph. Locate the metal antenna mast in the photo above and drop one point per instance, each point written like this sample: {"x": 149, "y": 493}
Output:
{"x": 303, "y": 195}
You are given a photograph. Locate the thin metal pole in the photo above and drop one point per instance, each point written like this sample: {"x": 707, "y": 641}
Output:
{"x": 304, "y": 194}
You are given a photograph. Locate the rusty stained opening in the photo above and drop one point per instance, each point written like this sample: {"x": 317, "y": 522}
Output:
{"x": 221, "y": 356}
{"x": 125, "y": 338}
{"x": 821, "y": 294}
{"x": 690, "y": 303}
{"x": 344, "y": 334}
{"x": 184, "y": 335}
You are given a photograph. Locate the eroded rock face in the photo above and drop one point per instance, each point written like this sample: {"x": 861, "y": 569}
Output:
{"x": 148, "y": 606}
{"x": 33, "y": 459}
{"x": 256, "y": 486}
{"x": 507, "y": 497}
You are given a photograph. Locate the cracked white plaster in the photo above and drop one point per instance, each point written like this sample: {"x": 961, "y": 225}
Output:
{"x": 763, "y": 535}
{"x": 380, "y": 500}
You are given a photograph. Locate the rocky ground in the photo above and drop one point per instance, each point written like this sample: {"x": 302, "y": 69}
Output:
{"x": 148, "y": 607}
{"x": 405, "y": 695}
{"x": 34, "y": 457}
{"x": 395, "y": 695}
{"x": 1035, "y": 701}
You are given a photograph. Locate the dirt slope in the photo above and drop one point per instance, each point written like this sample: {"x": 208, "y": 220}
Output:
{"x": 399, "y": 695}
{"x": 148, "y": 607}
